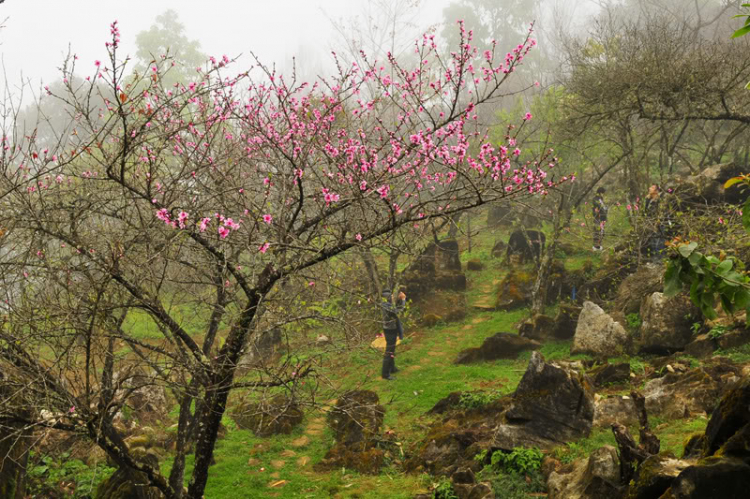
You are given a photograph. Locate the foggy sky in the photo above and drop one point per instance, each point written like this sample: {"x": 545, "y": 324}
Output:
{"x": 37, "y": 33}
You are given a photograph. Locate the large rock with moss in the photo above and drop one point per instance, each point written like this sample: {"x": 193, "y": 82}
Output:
{"x": 514, "y": 291}
{"x": 596, "y": 477}
{"x": 128, "y": 484}
{"x": 655, "y": 475}
{"x": 707, "y": 187}
{"x": 726, "y": 478}
{"x": 550, "y": 405}
{"x": 497, "y": 346}
{"x": 647, "y": 279}
{"x": 667, "y": 323}
{"x": 438, "y": 267}
{"x": 678, "y": 394}
{"x": 278, "y": 415}
{"x": 598, "y": 334}
{"x": 356, "y": 421}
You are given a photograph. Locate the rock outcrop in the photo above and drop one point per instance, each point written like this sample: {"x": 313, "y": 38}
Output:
{"x": 598, "y": 334}
{"x": 356, "y": 421}
{"x": 596, "y": 477}
{"x": 666, "y": 326}
{"x": 497, "y": 346}
{"x": 550, "y": 405}
{"x": 279, "y": 415}
{"x": 438, "y": 267}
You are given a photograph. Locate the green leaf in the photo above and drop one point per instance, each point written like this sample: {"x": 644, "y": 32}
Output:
{"x": 741, "y": 32}
{"x": 732, "y": 181}
{"x": 695, "y": 292}
{"x": 672, "y": 283}
{"x": 724, "y": 267}
{"x": 713, "y": 260}
{"x": 708, "y": 311}
{"x": 746, "y": 215}
{"x": 686, "y": 249}
{"x": 742, "y": 299}
{"x": 727, "y": 305}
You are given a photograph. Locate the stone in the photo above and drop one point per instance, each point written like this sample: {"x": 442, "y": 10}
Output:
{"x": 278, "y": 415}
{"x": 499, "y": 249}
{"x": 550, "y": 404}
{"x": 497, "y": 346}
{"x": 696, "y": 391}
{"x": 356, "y": 417}
{"x": 607, "y": 374}
{"x": 463, "y": 476}
{"x": 474, "y": 265}
{"x": 733, "y": 339}
{"x": 438, "y": 267}
{"x": 667, "y": 323}
{"x": 724, "y": 478}
{"x": 655, "y": 475}
{"x": 128, "y": 484}
{"x": 482, "y": 490}
{"x": 323, "y": 340}
{"x": 617, "y": 409}
{"x": 728, "y": 418}
{"x": 602, "y": 285}
{"x": 261, "y": 348}
{"x": 147, "y": 399}
{"x": 527, "y": 247}
{"x": 593, "y": 478}
{"x": 646, "y": 279}
{"x": 566, "y": 321}
{"x": 499, "y": 214}
{"x": 597, "y": 333}
{"x": 538, "y": 327}
{"x": 701, "y": 346}
{"x": 442, "y": 306}
{"x": 514, "y": 290}
{"x": 707, "y": 187}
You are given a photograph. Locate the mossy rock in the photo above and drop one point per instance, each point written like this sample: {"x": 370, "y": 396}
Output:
{"x": 279, "y": 415}
{"x": 729, "y": 417}
{"x": 713, "y": 477}
{"x": 654, "y": 476}
{"x": 474, "y": 265}
{"x": 514, "y": 291}
{"x": 128, "y": 484}
{"x": 357, "y": 417}
{"x": 431, "y": 320}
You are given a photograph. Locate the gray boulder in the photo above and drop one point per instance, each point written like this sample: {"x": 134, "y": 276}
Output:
{"x": 598, "y": 334}
{"x": 593, "y": 478}
{"x": 550, "y": 405}
{"x": 667, "y": 322}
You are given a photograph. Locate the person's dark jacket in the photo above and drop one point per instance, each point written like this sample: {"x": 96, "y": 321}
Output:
{"x": 391, "y": 311}
{"x": 599, "y": 209}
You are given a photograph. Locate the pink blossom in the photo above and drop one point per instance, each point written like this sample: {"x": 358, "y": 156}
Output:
{"x": 527, "y": 117}
{"x": 204, "y": 224}
{"x": 223, "y": 232}
{"x": 267, "y": 218}
{"x": 358, "y": 237}
{"x": 264, "y": 247}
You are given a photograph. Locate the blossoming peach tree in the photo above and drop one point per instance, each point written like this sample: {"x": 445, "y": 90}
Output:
{"x": 189, "y": 207}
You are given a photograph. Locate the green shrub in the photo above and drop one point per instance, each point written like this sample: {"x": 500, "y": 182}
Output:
{"x": 46, "y": 476}
{"x": 520, "y": 460}
{"x": 716, "y": 332}
{"x": 444, "y": 490}
{"x": 634, "y": 321}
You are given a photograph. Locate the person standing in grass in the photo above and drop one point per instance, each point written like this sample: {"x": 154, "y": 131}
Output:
{"x": 392, "y": 329}
{"x": 600, "y": 218}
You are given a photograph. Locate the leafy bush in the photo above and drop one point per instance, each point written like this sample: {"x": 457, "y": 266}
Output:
{"x": 520, "y": 460}
{"x": 444, "y": 490}
{"x": 633, "y": 320}
{"x": 716, "y": 332}
{"x": 49, "y": 473}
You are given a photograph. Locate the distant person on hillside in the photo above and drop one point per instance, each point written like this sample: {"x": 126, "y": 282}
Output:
{"x": 599, "y": 209}
{"x": 392, "y": 330}
{"x": 655, "y": 244}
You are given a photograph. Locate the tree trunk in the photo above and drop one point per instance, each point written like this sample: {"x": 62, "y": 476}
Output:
{"x": 371, "y": 267}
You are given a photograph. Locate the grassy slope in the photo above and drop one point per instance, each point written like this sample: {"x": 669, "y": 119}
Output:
{"x": 247, "y": 466}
